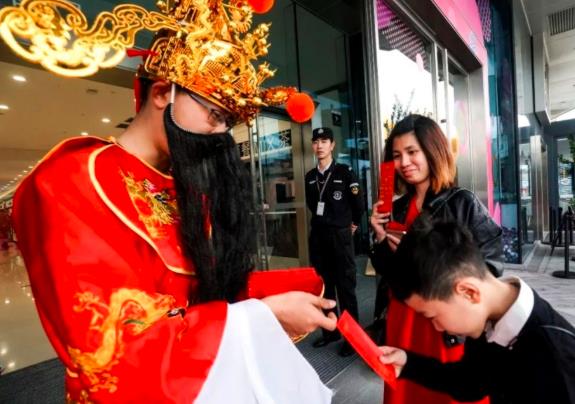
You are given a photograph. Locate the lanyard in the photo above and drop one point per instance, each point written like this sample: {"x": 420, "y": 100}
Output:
{"x": 324, "y": 184}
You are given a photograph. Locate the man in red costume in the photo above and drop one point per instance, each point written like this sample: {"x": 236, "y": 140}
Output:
{"x": 139, "y": 250}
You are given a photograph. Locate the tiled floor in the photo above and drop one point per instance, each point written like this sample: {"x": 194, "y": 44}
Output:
{"x": 22, "y": 340}
{"x": 559, "y": 292}
{"x": 357, "y": 384}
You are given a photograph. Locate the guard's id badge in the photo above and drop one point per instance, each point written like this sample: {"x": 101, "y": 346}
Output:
{"x": 320, "y": 208}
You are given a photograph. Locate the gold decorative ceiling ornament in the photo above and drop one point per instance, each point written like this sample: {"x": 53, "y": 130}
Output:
{"x": 205, "y": 46}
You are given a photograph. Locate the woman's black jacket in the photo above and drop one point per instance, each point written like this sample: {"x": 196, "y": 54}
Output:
{"x": 456, "y": 204}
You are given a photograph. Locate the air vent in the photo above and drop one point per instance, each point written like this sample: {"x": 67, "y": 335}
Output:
{"x": 562, "y": 21}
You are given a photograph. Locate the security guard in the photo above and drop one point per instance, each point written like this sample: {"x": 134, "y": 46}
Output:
{"x": 336, "y": 203}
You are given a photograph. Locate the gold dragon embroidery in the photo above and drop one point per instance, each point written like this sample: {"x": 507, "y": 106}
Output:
{"x": 130, "y": 311}
{"x": 156, "y": 208}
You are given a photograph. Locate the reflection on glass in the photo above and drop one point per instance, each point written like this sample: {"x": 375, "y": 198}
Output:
{"x": 276, "y": 160}
{"x": 276, "y": 188}
{"x": 565, "y": 171}
{"x": 458, "y": 130}
{"x": 525, "y": 193}
{"x": 503, "y": 118}
{"x": 441, "y": 99}
{"x": 404, "y": 63}
{"x": 324, "y": 70}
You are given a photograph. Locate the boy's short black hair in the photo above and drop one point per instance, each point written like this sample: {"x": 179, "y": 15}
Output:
{"x": 431, "y": 256}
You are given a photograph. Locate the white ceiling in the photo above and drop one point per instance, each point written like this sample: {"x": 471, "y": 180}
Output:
{"x": 47, "y": 109}
{"x": 561, "y": 52}
{"x": 561, "y": 49}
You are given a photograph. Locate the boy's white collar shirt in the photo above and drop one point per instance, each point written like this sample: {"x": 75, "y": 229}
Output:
{"x": 505, "y": 331}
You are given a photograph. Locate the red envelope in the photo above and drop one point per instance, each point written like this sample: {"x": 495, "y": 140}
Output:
{"x": 267, "y": 283}
{"x": 395, "y": 226}
{"x": 366, "y": 348}
{"x": 386, "y": 184}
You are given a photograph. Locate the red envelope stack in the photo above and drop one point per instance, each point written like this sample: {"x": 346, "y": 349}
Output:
{"x": 268, "y": 283}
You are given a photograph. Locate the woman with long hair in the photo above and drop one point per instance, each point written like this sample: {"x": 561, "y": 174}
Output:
{"x": 425, "y": 175}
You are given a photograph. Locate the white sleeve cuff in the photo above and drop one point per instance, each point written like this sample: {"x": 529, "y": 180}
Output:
{"x": 258, "y": 363}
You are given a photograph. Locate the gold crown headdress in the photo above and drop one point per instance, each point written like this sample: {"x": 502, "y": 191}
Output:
{"x": 205, "y": 46}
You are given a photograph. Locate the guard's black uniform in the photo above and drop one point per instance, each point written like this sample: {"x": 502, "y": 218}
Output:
{"x": 331, "y": 244}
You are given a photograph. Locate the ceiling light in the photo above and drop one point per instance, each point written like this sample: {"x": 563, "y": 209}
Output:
{"x": 84, "y": 133}
{"x": 106, "y": 120}
{"x": 30, "y": 167}
{"x": 4, "y": 351}
{"x": 19, "y": 78}
{"x": 4, "y": 107}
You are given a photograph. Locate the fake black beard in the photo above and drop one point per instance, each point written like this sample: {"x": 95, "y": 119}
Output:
{"x": 212, "y": 182}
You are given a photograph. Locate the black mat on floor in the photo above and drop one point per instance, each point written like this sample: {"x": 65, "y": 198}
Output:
{"x": 327, "y": 363}
{"x": 40, "y": 383}
{"x": 44, "y": 382}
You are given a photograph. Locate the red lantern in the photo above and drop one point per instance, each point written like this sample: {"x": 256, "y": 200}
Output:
{"x": 300, "y": 107}
{"x": 261, "y": 6}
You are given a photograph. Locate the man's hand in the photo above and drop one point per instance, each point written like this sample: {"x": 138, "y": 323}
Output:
{"x": 300, "y": 313}
{"x": 393, "y": 356}
{"x": 353, "y": 228}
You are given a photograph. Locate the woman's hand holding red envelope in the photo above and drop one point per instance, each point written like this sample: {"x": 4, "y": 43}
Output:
{"x": 385, "y": 229}
{"x": 378, "y": 222}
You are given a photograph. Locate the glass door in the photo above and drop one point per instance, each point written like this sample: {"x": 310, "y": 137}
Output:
{"x": 458, "y": 128}
{"x": 565, "y": 172}
{"x": 278, "y": 179}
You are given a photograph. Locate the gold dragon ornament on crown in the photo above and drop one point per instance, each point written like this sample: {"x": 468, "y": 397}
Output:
{"x": 205, "y": 46}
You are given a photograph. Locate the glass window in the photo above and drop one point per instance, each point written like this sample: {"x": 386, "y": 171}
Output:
{"x": 527, "y": 127}
{"x": 526, "y": 193}
{"x": 404, "y": 64}
{"x": 458, "y": 124}
{"x": 504, "y": 134}
{"x": 565, "y": 148}
{"x": 441, "y": 98}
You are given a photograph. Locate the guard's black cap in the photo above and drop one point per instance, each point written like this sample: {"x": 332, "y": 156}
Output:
{"x": 322, "y": 133}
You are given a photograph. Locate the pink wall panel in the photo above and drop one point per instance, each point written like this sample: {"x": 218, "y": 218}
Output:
{"x": 464, "y": 17}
